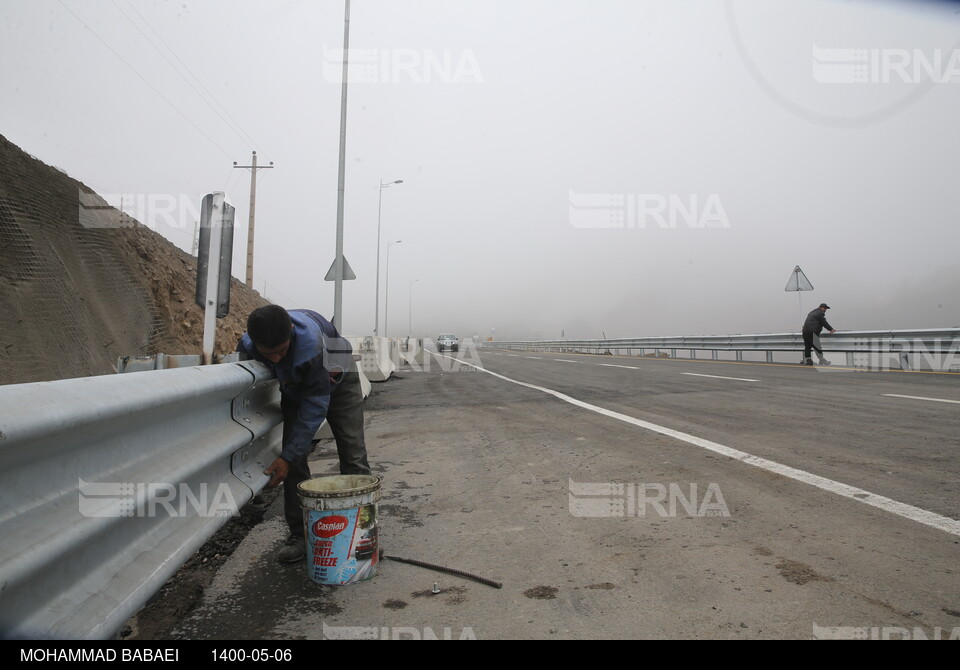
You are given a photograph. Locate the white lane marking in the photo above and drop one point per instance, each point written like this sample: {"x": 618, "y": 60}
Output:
{"x": 625, "y": 367}
{"x": 918, "y": 397}
{"x": 904, "y": 510}
{"x": 739, "y": 379}
{"x": 564, "y": 360}
{"x": 534, "y": 358}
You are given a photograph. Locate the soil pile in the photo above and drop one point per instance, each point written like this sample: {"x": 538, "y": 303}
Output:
{"x": 82, "y": 285}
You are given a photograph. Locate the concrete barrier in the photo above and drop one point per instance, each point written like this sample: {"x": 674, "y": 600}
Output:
{"x": 411, "y": 351}
{"x": 394, "y": 353}
{"x": 378, "y": 360}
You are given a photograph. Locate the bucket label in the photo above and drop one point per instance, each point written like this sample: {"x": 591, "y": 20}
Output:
{"x": 329, "y": 526}
{"x": 342, "y": 548}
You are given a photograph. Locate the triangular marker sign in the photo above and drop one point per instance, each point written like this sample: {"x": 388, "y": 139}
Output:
{"x": 798, "y": 281}
{"x": 340, "y": 271}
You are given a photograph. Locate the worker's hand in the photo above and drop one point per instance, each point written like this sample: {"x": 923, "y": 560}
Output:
{"x": 832, "y": 332}
{"x": 278, "y": 471}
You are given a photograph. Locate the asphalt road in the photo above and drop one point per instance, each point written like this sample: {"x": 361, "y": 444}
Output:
{"x": 619, "y": 497}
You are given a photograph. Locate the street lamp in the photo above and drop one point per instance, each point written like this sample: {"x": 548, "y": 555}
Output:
{"x": 376, "y": 318}
{"x": 386, "y": 287}
{"x": 410, "y": 322}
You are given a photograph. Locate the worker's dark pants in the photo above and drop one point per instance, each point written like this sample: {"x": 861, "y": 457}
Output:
{"x": 808, "y": 344}
{"x": 345, "y": 417}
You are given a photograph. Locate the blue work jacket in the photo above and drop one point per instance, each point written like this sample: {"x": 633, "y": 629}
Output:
{"x": 308, "y": 374}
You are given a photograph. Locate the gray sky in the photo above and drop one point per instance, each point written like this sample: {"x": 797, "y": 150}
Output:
{"x": 621, "y": 167}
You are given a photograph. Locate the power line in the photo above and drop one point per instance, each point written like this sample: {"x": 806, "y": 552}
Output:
{"x": 144, "y": 80}
{"x": 231, "y": 177}
{"x": 275, "y": 291}
{"x": 238, "y": 129}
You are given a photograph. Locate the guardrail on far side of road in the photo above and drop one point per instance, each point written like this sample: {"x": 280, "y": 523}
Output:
{"x": 929, "y": 348}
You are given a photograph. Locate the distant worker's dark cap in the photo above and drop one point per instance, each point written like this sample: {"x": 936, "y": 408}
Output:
{"x": 823, "y": 304}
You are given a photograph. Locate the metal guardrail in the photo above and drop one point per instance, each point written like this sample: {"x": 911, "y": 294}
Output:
{"x": 109, "y": 484}
{"x": 865, "y": 348}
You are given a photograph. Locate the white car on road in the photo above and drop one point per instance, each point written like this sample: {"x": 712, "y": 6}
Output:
{"x": 448, "y": 342}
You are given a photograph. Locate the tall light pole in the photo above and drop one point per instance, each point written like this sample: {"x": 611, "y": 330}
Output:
{"x": 386, "y": 286}
{"x": 410, "y": 322}
{"x": 339, "y": 263}
{"x": 253, "y": 208}
{"x": 376, "y": 318}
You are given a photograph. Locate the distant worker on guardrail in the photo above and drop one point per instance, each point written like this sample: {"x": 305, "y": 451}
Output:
{"x": 318, "y": 380}
{"x": 814, "y": 324}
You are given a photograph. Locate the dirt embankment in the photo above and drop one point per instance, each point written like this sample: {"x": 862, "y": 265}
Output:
{"x": 82, "y": 285}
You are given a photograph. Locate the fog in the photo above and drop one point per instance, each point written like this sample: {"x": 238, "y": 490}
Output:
{"x": 569, "y": 168}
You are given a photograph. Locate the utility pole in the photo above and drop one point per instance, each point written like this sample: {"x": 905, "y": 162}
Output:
{"x": 253, "y": 209}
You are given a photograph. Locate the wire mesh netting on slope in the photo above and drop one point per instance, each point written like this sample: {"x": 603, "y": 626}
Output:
{"x": 82, "y": 285}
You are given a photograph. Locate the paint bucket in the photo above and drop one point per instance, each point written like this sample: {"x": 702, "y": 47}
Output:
{"x": 340, "y": 527}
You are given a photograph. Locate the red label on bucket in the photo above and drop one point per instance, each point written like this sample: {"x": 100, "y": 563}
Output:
{"x": 329, "y": 526}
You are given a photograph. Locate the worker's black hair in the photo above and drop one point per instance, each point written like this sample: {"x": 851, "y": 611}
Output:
{"x": 269, "y": 326}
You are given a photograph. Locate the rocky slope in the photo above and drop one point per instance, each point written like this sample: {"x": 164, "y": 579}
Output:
{"x": 78, "y": 293}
